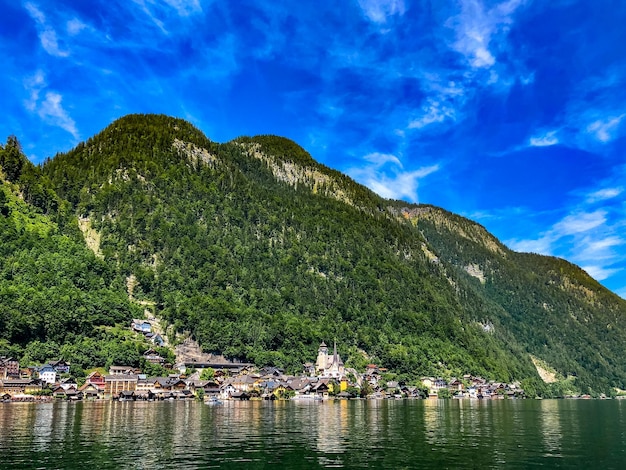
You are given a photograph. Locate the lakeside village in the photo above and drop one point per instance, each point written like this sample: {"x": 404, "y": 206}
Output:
{"x": 325, "y": 379}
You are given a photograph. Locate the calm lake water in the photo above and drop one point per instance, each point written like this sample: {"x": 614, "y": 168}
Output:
{"x": 349, "y": 434}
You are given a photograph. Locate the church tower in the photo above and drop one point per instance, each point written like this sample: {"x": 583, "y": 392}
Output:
{"x": 322, "y": 358}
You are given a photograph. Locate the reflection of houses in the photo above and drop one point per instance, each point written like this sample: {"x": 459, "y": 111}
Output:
{"x": 328, "y": 365}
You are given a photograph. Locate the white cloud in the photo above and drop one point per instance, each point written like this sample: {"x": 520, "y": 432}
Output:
{"x": 604, "y": 194}
{"x": 52, "y": 111}
{"x": 380, "y": 159}
{"x": 579, "y": 222}
{"x": 475, "y": 26}
{"x": 590, "y": 239}
{"x": 50, "y": 108}
{"x": 541, "y": 245}
{"x": 599, "y": 273}
{"x": 384, "y": 176}
{"x": 379, "y": 11}
{"x": 544, "y": 140}
{"x": 75, "y": 26}
{"x": 434, "y": 111}
{"x": 47, "y": 34}
{"x": 33, "y": 86}
{"x": 401, "y": 185}
{"x": 185, "y": 7}
{"x": 605, "y": 129}
{"x": 151, "y": 15}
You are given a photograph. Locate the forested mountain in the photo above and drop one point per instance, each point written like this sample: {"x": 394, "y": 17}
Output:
{"x": 260, "y": 253}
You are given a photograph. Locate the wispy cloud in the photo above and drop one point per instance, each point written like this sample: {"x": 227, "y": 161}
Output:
{"x": 379, "y": 11}
{"x": 433, "y": 111}
{"x": 480, "y": 38}
{"x": 75, "y": 26}
{"x": 50, "y": 108}
{"x": 593, "y": 239}
{"x": 606, "y": 128}
{"x": 385, "y": 175}
{"x": 52, "y": 111}
{"x": 33, "y": 85}
{"x": 604, "y": 194}
{"x": 545, "y": 139}
{"x": 598, "y": 272}
{"x": 185, "y": 7}
{"x": 475, "y": 27}
{"x": 47, "y": 34}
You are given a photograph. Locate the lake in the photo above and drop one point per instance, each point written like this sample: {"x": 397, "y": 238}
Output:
{"x": 340, "y": 434}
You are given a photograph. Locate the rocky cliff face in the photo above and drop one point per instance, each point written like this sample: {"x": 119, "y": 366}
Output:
{"x": 260, "y": 252}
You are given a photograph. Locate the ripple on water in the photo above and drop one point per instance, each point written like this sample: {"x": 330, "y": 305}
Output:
{"x": 359, "y": 434}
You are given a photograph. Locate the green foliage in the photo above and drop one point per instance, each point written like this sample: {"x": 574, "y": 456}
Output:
{"x": 262, "y": 268}
{"x": 444, "y": 393}
{"x": 207, "y": 374}
{"x": 550, "y": 307}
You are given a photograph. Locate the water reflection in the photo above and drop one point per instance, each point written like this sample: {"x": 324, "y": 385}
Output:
{"x": 551, "y": 428}
{"x": 350, "y": 434}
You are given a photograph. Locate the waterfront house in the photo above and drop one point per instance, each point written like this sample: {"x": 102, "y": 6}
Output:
{"x": 19, "y": 386}
{"x": 91, "y": 391}
{"x": 322, "y": 387}
{"x": 114, "y": 384}
{"x": 455, "y": 385}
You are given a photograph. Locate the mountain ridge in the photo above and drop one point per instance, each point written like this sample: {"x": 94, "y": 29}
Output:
{"x": 261, "y": 253}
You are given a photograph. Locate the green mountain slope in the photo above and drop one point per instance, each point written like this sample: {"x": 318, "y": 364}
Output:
{"x": 56, "y": 296}
{"x": 260, "y": 253}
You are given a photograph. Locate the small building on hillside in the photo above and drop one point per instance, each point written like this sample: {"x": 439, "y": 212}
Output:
{"x": 9, "y": 368}
{"x": 47, "y": 374}
{"x": 60, "y": 366}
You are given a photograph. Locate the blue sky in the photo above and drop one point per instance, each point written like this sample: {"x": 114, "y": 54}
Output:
{"x": 512, "y": 113}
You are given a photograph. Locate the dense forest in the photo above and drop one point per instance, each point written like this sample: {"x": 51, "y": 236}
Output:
{"x": 260, "y": 253}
